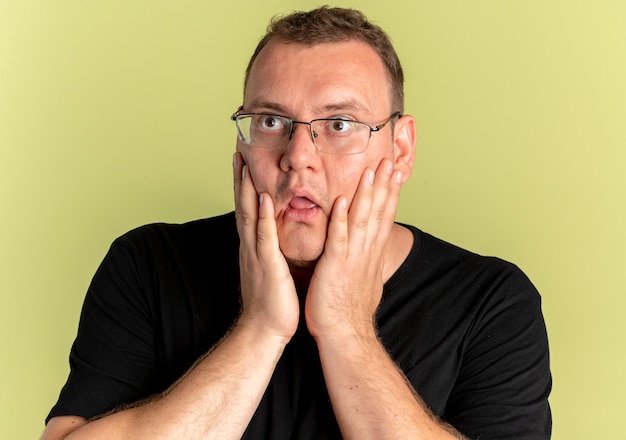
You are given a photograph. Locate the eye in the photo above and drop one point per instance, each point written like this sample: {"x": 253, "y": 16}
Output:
{"x": 340, "y": 126}
{"x": 271, "y": 123}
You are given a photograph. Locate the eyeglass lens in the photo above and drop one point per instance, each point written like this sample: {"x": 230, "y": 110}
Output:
{"x": 335, "y": 136}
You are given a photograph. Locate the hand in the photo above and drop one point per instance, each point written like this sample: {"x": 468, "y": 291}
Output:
{"x": 347, "y": 284}
{"x": 268, "y": 293}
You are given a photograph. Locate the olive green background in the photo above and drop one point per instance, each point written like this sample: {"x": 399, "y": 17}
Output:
{"x": 115, "y": 113}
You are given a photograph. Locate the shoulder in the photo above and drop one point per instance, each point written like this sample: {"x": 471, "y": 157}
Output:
{"x": 434, "y": 260}
{"x": 456, "y": 284}
{"x": 158, "y": 250}
{"x": 197, "y": 237}
{"x": 221, "y": 227}
{"x": 488, "y": 293}
{"x": 479, "y": 319}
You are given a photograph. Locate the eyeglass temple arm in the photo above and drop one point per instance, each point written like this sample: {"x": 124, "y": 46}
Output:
{"x": 234, "y": 115}
{"x": 392, "y": 117}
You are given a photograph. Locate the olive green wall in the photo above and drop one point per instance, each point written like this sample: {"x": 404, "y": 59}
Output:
{"x": 115, "y": 113}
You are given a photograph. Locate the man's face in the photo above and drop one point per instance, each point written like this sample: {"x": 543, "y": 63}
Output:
{"x": 344, "y": 79}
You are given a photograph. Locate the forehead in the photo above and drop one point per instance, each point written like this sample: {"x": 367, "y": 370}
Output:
{"x": 315, "y": 79}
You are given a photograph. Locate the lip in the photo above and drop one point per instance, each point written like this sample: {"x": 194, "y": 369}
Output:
{"x": 301, "y": 203}
{"x": 301, "y": 206}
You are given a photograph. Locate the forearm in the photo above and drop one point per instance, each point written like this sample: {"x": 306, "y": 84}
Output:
{"x": 216, "y": 398}
{"x": 371, "y": 397}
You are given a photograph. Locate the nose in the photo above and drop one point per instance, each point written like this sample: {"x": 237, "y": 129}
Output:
{"x": 300, "y": 152}
{"x": 309, "y": 128}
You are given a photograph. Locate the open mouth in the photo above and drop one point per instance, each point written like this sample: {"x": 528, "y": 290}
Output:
{"x": 301, "y": 209}
{"x": 301, "y": 203}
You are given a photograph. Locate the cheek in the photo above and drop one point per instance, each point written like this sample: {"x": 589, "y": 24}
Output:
{"x": 347, "y": 173}
{"x": 245, "y": 153}
{"x": 262, "y": 167}
{"x": 345, "y": 180}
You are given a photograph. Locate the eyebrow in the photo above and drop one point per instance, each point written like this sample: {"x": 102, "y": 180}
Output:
{"x": 267, "y": 105}
{"x": 342, "y": 106}
{"x": 332, "y": 107}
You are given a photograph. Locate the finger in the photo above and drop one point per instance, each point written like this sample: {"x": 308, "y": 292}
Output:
{"x": 382, "y": 191}
{"x": 388, "y": 209}
{"x": 358, "y": 215}
{"x": 268, "y": 249}
{"x": 337, "y": 240}
{"x": 393, "y": 196}
{"x": 237, "y": 168}
{"x": 247, "y": 215}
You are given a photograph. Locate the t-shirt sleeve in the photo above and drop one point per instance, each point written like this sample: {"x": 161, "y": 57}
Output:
{"x": 503, "y": 386}
{"x": 113, "y": 358}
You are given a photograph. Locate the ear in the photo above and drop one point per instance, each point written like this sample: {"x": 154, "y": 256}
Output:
{"x": 404, "y": 139}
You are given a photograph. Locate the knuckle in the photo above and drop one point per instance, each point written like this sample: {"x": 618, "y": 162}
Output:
{"x": 246, "y": 219}
{"x": 361, "y": 222}
{"x": 378, "y": 214}
{"x": 262, "y": 236}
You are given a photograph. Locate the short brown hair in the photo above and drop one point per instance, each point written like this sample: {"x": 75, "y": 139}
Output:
{"x": 333, "y": 25}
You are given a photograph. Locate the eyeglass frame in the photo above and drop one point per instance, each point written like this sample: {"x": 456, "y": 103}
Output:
{"x": 373, "y": 129}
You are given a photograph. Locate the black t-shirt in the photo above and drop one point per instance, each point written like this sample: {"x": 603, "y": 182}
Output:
{"x": 467, "y": 331}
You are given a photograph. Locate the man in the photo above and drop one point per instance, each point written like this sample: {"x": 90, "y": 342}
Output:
{"x": 309, "y": 313}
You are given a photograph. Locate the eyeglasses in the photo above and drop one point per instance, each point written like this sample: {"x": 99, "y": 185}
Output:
{"x": 331, "y": 135}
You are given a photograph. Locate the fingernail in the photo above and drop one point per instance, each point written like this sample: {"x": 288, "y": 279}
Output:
{"x": 389, "y": 168}
{"x": 244, "y": 172}
{"x": 260, "y": 199}
{"x": 399, "y": 177}
{"x": 370, "y": 177}
{"x": 344, "y": 204}
{"x": 235, "y": 160}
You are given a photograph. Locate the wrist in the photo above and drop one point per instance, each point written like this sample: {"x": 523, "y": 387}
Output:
{"x": 351, "y": 337}
{"x": 258, "y": 328}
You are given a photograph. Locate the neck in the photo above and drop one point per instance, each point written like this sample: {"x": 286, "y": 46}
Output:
{"x": 302, "y": 275}
{"x": 397, "y": 249}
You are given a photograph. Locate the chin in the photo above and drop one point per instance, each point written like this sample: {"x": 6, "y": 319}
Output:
{"x": 303, "y": 251}
{"x": 301, "y": 257}
{"x": 301, "y": 244}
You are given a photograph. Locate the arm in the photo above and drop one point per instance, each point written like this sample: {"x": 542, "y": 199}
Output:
{"x": 370, "y": 396}
{"x": 218, "y": 396}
